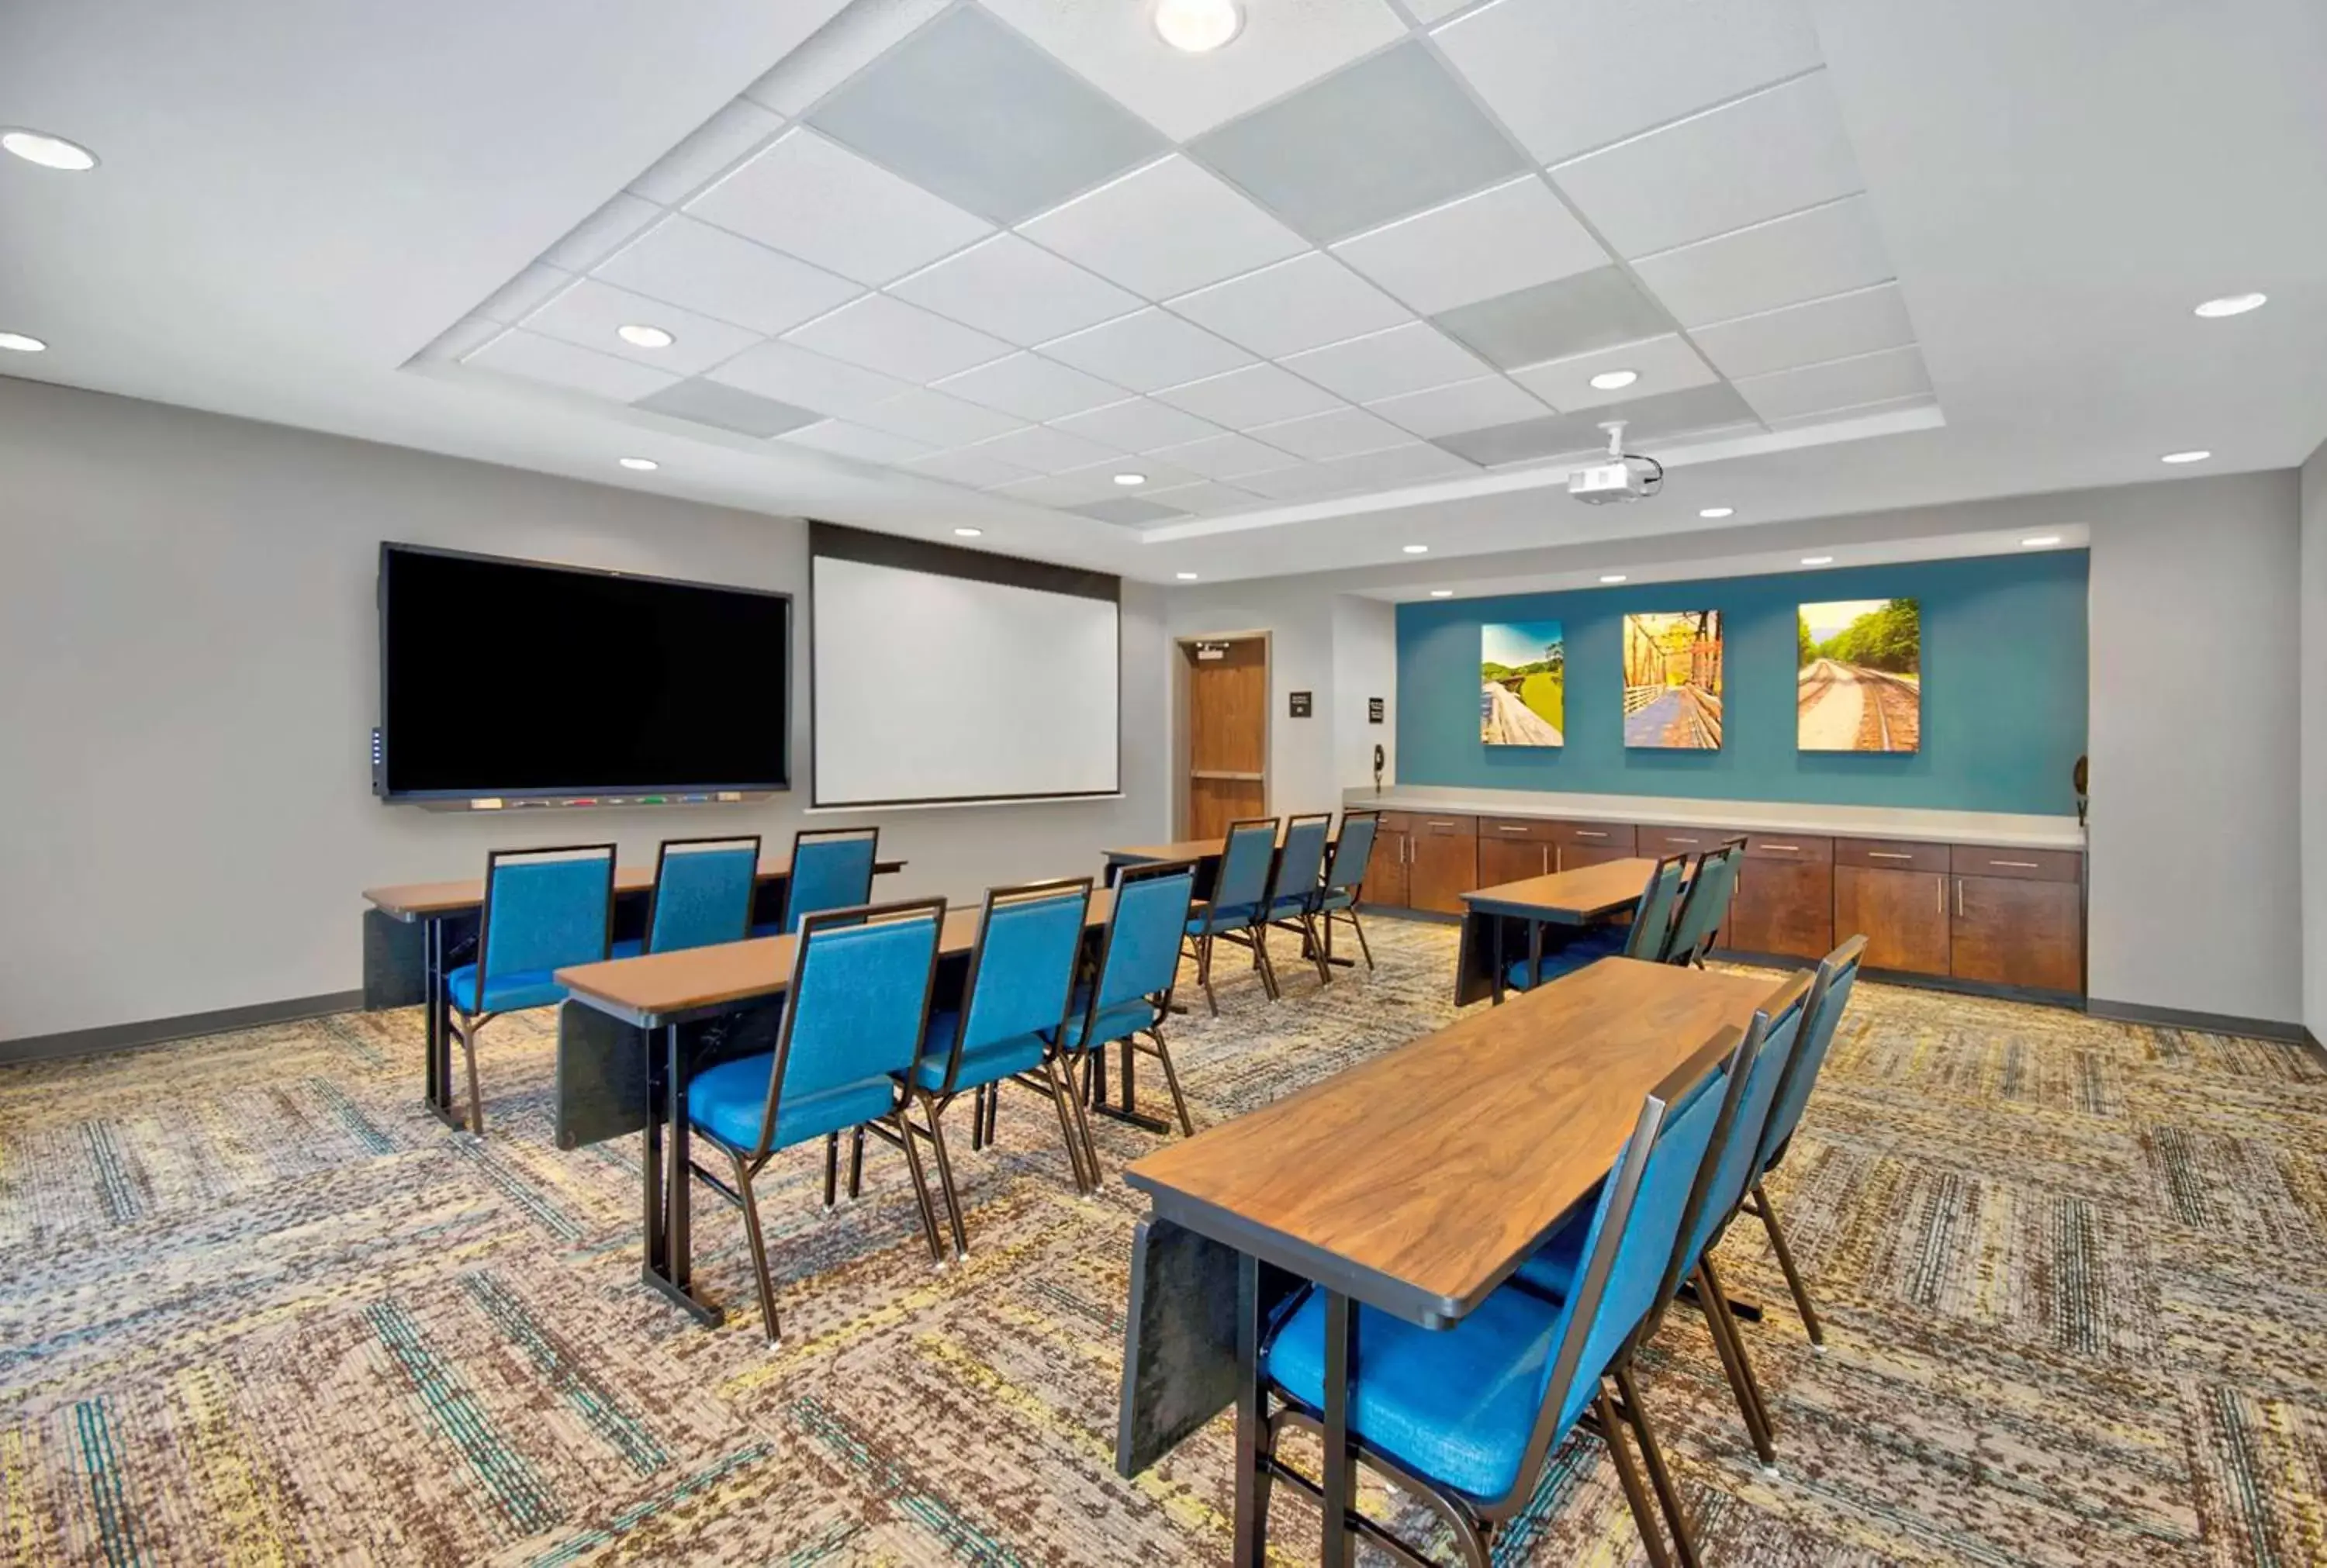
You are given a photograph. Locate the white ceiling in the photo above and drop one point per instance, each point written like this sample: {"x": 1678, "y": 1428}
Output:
{"x": 1340, "y": 287}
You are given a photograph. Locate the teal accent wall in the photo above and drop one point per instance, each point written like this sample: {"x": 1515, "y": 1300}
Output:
{"x": 2003, "y": 690}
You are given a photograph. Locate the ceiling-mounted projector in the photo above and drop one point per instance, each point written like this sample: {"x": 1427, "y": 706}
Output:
{"x": 1623, "y": 477}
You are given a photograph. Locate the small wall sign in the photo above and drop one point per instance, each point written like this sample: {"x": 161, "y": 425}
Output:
{"x": 1301, "y": 705}
{"x": 1373, "y": 710}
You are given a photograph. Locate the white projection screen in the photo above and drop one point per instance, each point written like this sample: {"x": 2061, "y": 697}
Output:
{"x": 930, "y": 686}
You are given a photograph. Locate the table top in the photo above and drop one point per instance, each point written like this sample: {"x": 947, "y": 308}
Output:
{"x": 1589, "y": 892}
{"x": 1190, "y": 849}
{"x": 413, "y": 901}
{"x": 658, "y": 988}
{"x": 1418, "y": 1181}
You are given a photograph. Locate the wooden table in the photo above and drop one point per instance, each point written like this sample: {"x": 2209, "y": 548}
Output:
{"x": 674, "y": 996}
{"x": 1583, "y": 897}
{"x": 1418, "y": 1181}
{"x": 413, "y": 932}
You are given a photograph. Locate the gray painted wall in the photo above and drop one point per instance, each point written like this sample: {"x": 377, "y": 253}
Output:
{"x": 2314, "y": 742}
{"x": 187, "y": 629}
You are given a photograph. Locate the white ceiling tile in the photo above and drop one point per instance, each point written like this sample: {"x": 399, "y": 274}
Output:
{"x": 1839, "y": 383}
{"x": 1256, "y": 395}
{"x": 1016, "y": 290}
{"x": 1164, "y": 229}
{"x": 1300, "y": 483}
{"x": 1031, "y": 387}
{"x": 898, "y": 340}
{"x": 718, "y": 142}
{"x": 1479, "y": 405}
{"x": 1855, "y": 411}
{"x": 1343, "y": 433}
{"x": 793, "y": 375}
{"x": 523, "y": 294}
{"x": 1761, "y": 157}
{"x": 935, "y": 418}
{"x": 558, "y": 364}
{"x": 1510, "y": 237}
{"x": 1040, "y": 449}
{"x": 1379, "y": 364}
{"x": 845, "y": 440}
{"x": 1802, "y": 257}
{"x": 588, "y": 315}
{"x": 1206, "y": 496}
{"x": 1280, "y": 48}
{"x": 1665, "y": 364}
{"x": 1296, "y": 304}
{"x": 1418, "y": 464}
{"x": 1138, "y": 424}
{"x": 1807, "y": 334}
{"x": 843, "y": 45}
{"x": 1635, "y": 63}
{"x": 1225, "y": 456}
{"x": 462, "y": 339}
{"x": 594, "y": 238}
{"x": 967, "y": 467}
{"x": 1147, "y": 351}
{"x": 809, "y": 197}
{"x": 723, "y": 275}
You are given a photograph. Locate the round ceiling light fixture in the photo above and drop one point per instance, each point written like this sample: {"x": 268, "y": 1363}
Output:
{"x": 640, "y": 464}
{"x": 1417, "y": 549}
{"x": 19, "y": 343}
{"x": 1611, "y": 577}
{"x": 2195, "y": 454}
{"x": 1614, "y": 380}
{"x": 1818, "y": 560}
{"x": 639, "y": 335}
{"x": 1441, "y": 592}
{"x": 1185, "y": 577}
{"x": 1130, "y": 478}
{"x": 1198, "y": 26}
{"x": 48, "y": 152}
{"x": 1718, "y": 512}
{"x": 2231, "y": 305}
{"x": 2038, "y": 541}
{"x": 968, "y": 532}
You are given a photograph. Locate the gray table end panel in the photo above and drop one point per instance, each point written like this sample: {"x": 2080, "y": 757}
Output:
{"x": 394, "y": 972}
{"x": 602, "y": 1077}
{"x": 1180, "y": 1339}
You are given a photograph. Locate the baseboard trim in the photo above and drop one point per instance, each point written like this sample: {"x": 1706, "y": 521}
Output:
{"x": 109, "y": 1037}
{"x": 2317, "y": 1049}
{"x": 2210, "y": 1022}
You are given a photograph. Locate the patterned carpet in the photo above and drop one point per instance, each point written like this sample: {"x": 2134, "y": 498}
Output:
{"x": 259, "y": 1308}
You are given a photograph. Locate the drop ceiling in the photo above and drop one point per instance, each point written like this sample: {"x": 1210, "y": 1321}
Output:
{"x": 1346, "y": 283}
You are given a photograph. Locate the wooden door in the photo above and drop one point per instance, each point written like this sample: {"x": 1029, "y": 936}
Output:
{"x": 1902, "y": 915}
{"x": 2011, "y": 930}
{"x": 1784, "y": 907}
{"x": 1227, "y": 735}
{"x": 1510, "y": 860}
{"x": 1442, "y": 863}
{"x": 1385, "y": 870}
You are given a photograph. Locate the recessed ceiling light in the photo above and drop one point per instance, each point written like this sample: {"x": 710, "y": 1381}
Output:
{"x": 2195, "y": 454}
{"x": 48, "y": 152}
{"x": 1197, "y": 26}
{"x": 1185, "y": 577}
{"x": 968, "y": 532}
{"x": 640, "y": 336}
{"x": 1131, "y": 479}
{"x": 2232, "y": 305}
{"x": 1818, "y": 560}
{"x": 1718, "y": 512}
{"x": 20, "y": 344}
{"x": 1417, "y": 549}
{"x": 2038, "y": 541}
{"x": 1612, "y": 381}
{"x": 640, "y": 464}
{"x": 1441, "y": 592}
{"x": 1611, "y": 577}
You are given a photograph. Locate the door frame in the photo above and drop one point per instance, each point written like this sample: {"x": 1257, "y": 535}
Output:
{"x": 1183, "y": 661}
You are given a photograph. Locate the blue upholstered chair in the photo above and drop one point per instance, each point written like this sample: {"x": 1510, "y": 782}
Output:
{"x": 1238, "y": 905}
{"x": 832, "y": 868}
{"x": 1131, "y": 993}
{"x": 1829, "y": 995}
{"x": 1704, "y": 911}
{"x": 1465, "y": 1418}
{"x": 1345, "y": 879}
{"x": 702, "y": 895}
{"x": 1014, "y": 1002}
{"x": 1645, "y": 937}
{"x": 1295, "y": 887}
{"x": 545, "y": 909}
{"x": 852, "y": 1023}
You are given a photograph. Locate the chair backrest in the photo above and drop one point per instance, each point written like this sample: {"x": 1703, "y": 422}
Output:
{"x": 1021, "y": 970}
{"x": 544, "y": 908}
{"x": 1706, "y": 904}
{"x": 859, "y": 1003}
{"x": 1652, "y": 916}
{"x": 703, "y": 891}
{"x": 1245, "y": 860}
{"x": 1141, "y": 956}
{"x": 1352, "y": 850}
{"x": 1778, "y": 1022}
{"x": 1302, "y": 861}
{"x": 832, "y": 868}
{"x": 1829, "y": 994}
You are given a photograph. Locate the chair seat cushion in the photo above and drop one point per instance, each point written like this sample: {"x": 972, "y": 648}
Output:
{"x": 1112, "y": 1023}
{"x": 629, "y": 947}
{"x": 1552, "y": 966}
{"x": 1337, "y": 899}
{"x": 980, "y": 1064}
{"x": 1453, "y": 1406}
{"x": 1551, "y": 1272}
{"x": 731, "y": 1100}
{"x": 1290, "y": 905}
{"x": 508, "y": 993}
{"x": 770, "y": 929}
{"x": 1206, "y": 917}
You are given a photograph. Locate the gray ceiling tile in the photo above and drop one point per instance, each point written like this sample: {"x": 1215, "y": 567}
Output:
{"x": 970, "y": 110}
{"x": 1552, "y": 435}
{"x": 1552, "y": 320}
{"x": 1389, "y": 135}
{"x": 1670, "y": 414}
{"x": 727, "y": 407}
{"x": 1127, "y": 510}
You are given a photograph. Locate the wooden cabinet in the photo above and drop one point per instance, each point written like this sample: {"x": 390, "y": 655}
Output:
{"x": 1902, "y": 914}
{"x": 1442, "y": 862}
{"x": 1510, "y": 860}
{"x": 1784, "y": 902}
{"x": 1576, "y": 857}
{"x": 1655, "y": 843}
{"x": 1386, "y": 869}
{"x": 2018, "y": 918}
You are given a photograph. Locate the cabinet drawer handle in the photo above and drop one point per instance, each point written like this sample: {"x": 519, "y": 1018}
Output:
{"x": 1887, "y": 855}
{"x": 1437, "y": 824}
{"x": 1677, "y": 839}
{"x": 1941, "y": 889}
{"x": 2018, "y": 865}
{"x": 1959, "y": 897}
{"x": 1789, "y": 848}
{"x": 1580, "y": 834}
{"x": 1500, "y": 827}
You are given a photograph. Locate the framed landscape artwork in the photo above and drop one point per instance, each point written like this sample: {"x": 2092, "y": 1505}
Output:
{"x": 1523, "y": 684}
{"x": 1672, "y": 681}
{"x": 1858, "y": 685}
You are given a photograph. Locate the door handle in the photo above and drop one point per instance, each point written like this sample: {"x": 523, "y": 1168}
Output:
{"x": 1580, "y": 834}
{"x": 1887, "y": 855}
{"x": 1959, "y": 897}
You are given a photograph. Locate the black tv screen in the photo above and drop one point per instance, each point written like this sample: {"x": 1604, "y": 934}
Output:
{"x": 513, "y": 678}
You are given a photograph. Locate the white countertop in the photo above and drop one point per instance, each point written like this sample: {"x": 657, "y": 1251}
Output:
{"x": 2000, "y": 829}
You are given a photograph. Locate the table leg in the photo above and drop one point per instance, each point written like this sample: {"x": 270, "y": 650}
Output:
{"x": 1339, "y": 1472}
{"x": 1252, "y": 1477}
{"x": 437, "y": 1089}
{"x": 1497, "y": 921}
{"x": 673, "y": 1273}
{"x": 1535, "y": 954}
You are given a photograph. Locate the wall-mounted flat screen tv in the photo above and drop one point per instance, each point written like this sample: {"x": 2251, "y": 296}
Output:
{"x": 516, "y": 679}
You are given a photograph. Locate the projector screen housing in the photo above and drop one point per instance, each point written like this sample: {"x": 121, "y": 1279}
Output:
{"x": 939, "y": 675}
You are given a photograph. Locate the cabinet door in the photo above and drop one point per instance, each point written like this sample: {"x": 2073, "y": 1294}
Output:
{"x": 1902, "y": 915}
{"x": 1506, "y": 859}
{"x": 1784, "y": 907}
{"x": 2011, "y": 931}
{"x": 1439, "y": 868}
{"x": 1576, "y": 856}
{"x": 1385, "y": 872}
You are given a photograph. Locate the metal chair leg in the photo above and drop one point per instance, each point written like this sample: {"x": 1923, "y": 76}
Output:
{"x": 920, "y": 1187}
{"x": 1204, "y": 972}
{"x": 1769, "y": 1213}
{"x": 978, "y": 1120}
{"x": 468, "y": 1033}
{"x": 933, "y": 1112}
{"x": 831, "y": 1170}
{"x": 1731, "y": 1348}
{"x": 758, "y": 1250}
{"x": 857, "y": 1166}
{"x": 1172, "y": 1077}
{"x": 1318, "y": 951}
{"x": 1262, "y": 961}
{"x": 1079, "y": 1095}
{"x": 1059, "y": 1094}
{"x": 1644, "y": 1514}
{"x": 1361, "y": 930}
{"x": 1653, "y": 1454}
